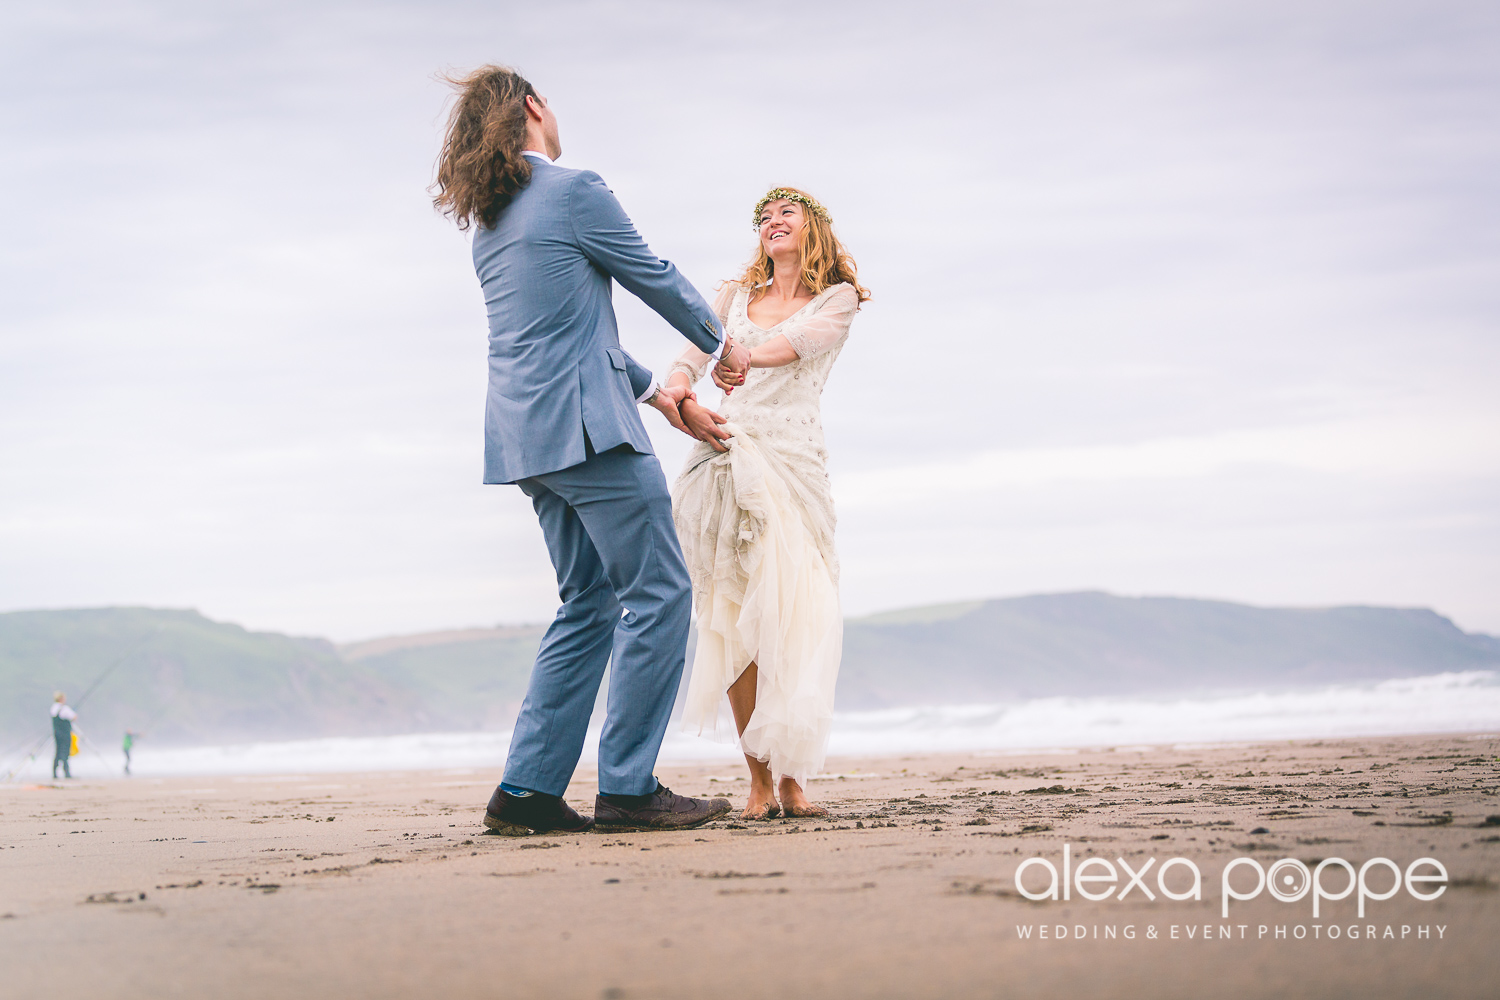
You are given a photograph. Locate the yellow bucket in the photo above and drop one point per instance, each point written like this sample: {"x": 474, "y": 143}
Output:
{"x": 73, "y": 750}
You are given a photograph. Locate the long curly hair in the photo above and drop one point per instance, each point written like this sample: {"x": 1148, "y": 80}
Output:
{"x": 824, "y": 261}
{"x": 481, "y": 168}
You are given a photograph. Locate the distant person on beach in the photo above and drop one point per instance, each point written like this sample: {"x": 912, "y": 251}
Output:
{"x": 754, "y": 511}
{"x": 127, "y": 744}
{"x": 561, "y": 423}
{"x": 62, "y": 734}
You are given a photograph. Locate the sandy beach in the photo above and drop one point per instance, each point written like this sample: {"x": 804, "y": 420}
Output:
{"x": 383, "y": 885}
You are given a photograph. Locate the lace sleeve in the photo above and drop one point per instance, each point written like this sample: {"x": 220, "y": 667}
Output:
{"x": 826, "y": 327}
{"x": 693, "y": 362}
{"x": 724, "y": 300}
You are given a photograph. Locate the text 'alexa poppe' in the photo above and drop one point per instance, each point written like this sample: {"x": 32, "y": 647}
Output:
{"x": 1289, "y": 880}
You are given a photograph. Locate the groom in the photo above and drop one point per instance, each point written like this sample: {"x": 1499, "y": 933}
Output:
{"x": 561, "y": 422}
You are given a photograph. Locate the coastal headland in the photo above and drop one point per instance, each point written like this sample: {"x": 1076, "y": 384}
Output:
{"x": 385, "y": 885}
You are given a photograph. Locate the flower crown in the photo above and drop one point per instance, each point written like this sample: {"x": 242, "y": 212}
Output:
{"x": 778, "y": 194}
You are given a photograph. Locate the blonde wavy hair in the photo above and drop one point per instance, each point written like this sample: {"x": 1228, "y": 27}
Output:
{"x": 824, "y": 261}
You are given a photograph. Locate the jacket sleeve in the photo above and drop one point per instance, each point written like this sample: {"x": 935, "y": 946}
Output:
{"x": 641, "y": 377}
{"x": 609, "y": 240}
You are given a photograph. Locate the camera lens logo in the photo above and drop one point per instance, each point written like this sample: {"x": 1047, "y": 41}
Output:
{"x": 1289, "y": 880}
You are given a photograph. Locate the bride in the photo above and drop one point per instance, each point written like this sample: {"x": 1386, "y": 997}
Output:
{"x": 754, "y": 512}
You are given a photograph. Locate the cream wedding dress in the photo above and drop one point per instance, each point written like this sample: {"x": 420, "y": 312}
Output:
{"x": 756, "y": 525}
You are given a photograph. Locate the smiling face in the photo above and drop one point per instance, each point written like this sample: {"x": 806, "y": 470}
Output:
{"x": 781, "y": 225}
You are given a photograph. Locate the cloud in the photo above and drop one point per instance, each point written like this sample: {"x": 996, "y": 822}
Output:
{"x": 1162, "y": 293}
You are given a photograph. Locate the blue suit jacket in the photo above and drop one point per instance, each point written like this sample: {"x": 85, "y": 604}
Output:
{"x": 556, "y": 366}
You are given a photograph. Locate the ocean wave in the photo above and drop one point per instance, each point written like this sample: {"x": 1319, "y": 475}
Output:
{"x": 1450, "y": 702}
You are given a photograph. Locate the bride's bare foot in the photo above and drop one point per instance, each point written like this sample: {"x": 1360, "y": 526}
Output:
{"x": 766, "y": 810}
{"x": 762, "y": 805}
{"x": 795, "y": 803}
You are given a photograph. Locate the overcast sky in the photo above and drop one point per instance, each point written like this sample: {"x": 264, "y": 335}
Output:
{"x": 1198, "y": 299}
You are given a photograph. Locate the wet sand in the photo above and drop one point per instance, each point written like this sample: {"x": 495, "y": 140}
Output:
{"x": 383, "y": 885}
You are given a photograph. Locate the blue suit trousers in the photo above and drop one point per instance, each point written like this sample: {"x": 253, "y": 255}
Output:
{"x": 626, "y": 603}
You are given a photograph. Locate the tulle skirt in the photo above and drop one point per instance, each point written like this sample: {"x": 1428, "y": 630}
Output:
{"x": 758, "y": 542}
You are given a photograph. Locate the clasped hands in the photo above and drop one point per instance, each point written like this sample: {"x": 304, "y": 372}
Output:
{"x": 679, "y": 403}
{"x": 733, "y": 365}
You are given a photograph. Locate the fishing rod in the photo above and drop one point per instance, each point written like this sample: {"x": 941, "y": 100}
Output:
{"x": 36, "y": 744}
{"x": 94, "y": 750}
{"x": 112, "y": 667}
{"x": 172, "y": 700}
{"x": 29, "y": 757}
{"x": 26, "y": 758}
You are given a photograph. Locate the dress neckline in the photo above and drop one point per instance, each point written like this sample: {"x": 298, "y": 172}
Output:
{"x": 745, "y": 309}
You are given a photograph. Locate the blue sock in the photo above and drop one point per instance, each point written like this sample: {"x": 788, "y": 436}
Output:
{"x": 515, "y": 790}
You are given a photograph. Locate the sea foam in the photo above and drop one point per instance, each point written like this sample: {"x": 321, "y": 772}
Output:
{"x": 1438, "y": 703}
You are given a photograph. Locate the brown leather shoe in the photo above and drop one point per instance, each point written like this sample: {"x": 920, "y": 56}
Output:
{"x": 518, "y": 816}
{"x": 663, "y": 809}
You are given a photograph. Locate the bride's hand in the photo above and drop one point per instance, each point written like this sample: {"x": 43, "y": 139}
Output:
{"x": 703, "y": 424}
{"x": 726, "y": 379}
{"x": 668, "y": 400}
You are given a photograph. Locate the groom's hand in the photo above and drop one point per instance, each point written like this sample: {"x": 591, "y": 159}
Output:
{"x": 703, "y": 424}
{"x": 668, "y": 399}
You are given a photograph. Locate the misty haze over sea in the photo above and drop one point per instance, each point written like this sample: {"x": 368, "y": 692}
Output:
{"x": 1059, "y": 671}
{"x": 1450, "y": 702}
